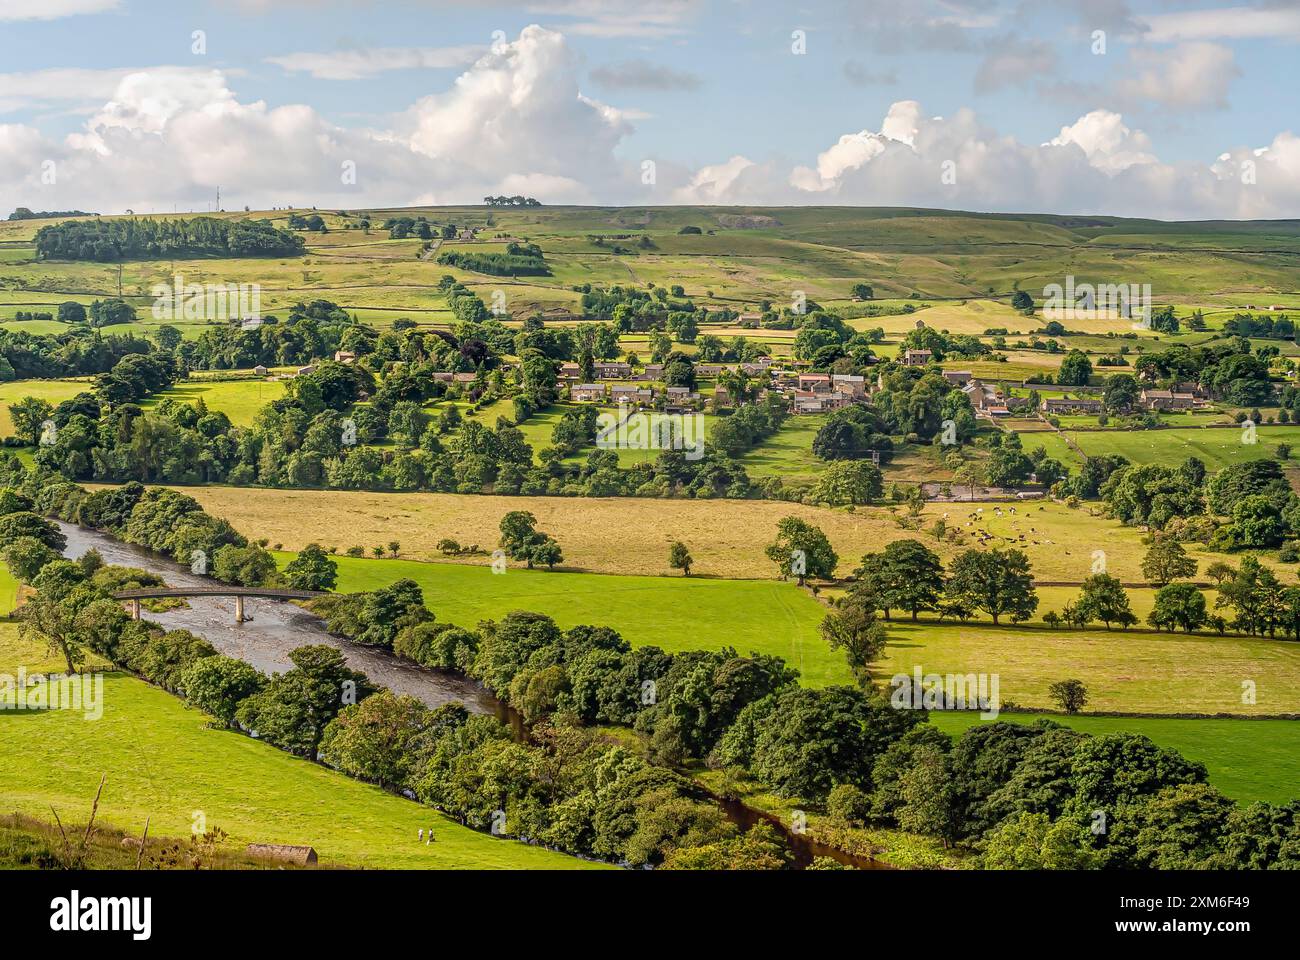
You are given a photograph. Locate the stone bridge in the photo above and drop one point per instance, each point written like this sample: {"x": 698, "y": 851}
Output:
{"x": 133, "y": 597}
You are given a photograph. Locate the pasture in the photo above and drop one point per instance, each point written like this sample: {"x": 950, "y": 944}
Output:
{"x": 1218, "y": 447}
{"x": 1133, "y": 671}
{"x": 674, "y": 613}
{"x": 626, "y": 535}
{"x": 240, "y": 400}
{"x": 55, "y": 391}
{"x": 164, "y": 762}
{"x": 1247, "y": 760}
{"x": 908, "y": 255}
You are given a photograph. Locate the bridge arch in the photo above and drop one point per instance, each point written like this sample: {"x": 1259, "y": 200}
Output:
{"x": 133, "y": 597}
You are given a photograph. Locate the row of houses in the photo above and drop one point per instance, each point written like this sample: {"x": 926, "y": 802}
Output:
{"x": 1153, "y": 400}
{"x": 819, "y": 392}
{"x": 987, "y": 400}
{"x": 676, "y": 399}
{"x": 621, "y": 370}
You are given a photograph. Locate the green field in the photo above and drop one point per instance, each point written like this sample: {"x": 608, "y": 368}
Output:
{"x": 8, "y": 591}
{"x": 1216, "y": 446}
{"x": 163, "y": 762}
{"x": 240, "y": 400}
{"x": 1247, "y": 759}
{"x": 674, "y": 613}
{"x": 55, "y": 391}
{"x": 1133, "y": 671}
{"x": 788, "y": 452}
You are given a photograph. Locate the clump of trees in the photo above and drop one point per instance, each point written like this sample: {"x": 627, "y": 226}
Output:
{"x": 519, "y": 260}
{"x": 132, "y": 239}
{"x": 521, "y": 540}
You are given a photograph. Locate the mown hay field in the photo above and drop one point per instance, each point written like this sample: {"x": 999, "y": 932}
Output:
{"x": 628, "y": 535}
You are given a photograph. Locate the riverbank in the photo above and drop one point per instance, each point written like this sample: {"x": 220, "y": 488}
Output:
{"x": 166, "y": 763}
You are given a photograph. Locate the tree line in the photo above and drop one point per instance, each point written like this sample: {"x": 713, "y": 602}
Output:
{"x": 134, "y": 239}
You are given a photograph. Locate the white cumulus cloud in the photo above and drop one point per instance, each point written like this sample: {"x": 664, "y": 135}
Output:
{"x": 1109, "y": 145}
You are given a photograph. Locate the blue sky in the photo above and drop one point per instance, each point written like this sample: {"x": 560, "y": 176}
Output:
{"x": 713, "y": 92}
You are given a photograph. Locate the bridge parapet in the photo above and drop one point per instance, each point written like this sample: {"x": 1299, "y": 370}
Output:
{"x": 133, "y": 597}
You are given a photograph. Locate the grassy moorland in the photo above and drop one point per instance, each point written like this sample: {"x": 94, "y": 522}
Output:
{"x": 164, "y": 762}
{"x": 1246, "y": 759}
{"x": 743, "y": 256}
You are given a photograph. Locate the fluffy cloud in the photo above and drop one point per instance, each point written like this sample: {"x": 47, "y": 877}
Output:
{"x": 517, "y": 121}
{"x": 1095, "y": 165}
{"x": 519, "y": 111}
{"x": 854, "y": 150}
{"x": 514, "y": 122}
{"x": 1108, "y": 144}
{"x": 1187, "y": 76}
{"x": 717, "y": 183}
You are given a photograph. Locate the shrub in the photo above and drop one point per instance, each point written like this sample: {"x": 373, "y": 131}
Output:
{"x": 848, "y": 804}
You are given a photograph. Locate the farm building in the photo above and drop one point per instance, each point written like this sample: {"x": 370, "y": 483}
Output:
{"x": 612, "y": 370}
{"x": 1167, "y": 400}
{"x": 1070, "y": 405}
{"x": 850, "y": 384}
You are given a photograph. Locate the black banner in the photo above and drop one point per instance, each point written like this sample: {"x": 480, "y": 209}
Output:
{"x": 341, "y": 908}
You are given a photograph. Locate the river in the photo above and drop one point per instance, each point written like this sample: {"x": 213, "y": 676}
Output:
{"x": 276, "y": 628}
